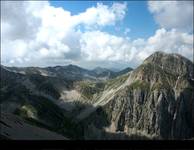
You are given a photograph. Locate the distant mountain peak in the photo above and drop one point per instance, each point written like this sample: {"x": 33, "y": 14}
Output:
{"x": 100, "y": 69}
{"x": 71, "y": 65}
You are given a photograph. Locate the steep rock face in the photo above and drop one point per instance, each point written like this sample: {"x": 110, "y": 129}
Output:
{"x": 157, "y": 101}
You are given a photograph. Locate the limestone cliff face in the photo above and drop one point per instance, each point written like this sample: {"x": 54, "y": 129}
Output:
{"x": 157, "y": 100}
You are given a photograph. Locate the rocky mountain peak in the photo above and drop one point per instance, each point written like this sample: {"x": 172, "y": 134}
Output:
{"x": 172, "y": 63}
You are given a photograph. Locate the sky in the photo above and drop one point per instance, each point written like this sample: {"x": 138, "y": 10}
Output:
{"x": 111, "y": 34}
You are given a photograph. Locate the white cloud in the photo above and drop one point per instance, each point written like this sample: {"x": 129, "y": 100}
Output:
{"x": 102, "y": 14}
{"x": 36, "y": 33}
{"x": 18, "y": 19}
{"x": 172, "y": 41}
{"x": 101, "y": 46}
{"x": 173, "y": 14}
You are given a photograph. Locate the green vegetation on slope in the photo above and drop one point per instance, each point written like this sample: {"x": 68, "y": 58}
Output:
{"x": 27, "y": 111}
{"x": 114, "y": 83}
{"x": 88, "y": 89}
{"x": 158, "y": 75}
{"x": 139, "y": 84}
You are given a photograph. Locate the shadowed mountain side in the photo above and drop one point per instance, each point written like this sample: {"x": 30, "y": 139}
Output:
{"x": 94, "y": 128}
{"x": 37, "y": 109}
{"x": 15, "y": 128}
{"x": 87, "y": 129}
{"x": 183, "y": 124}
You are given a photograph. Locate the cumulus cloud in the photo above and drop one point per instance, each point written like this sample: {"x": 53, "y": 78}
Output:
{"x": 38, "y": 34}
{"x": 18, "y": 19}
{"x": 119, "y": 49}
{"x": 173, "y": 14}
{"x": 105, "y": 47}
{"x": 172, "y": 41}
{"x": 34, "y": 31}
{"x": 102, "y": 15}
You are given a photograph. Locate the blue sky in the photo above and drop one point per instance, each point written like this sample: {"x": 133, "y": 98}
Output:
{"x": 138, "y": 18}
{"x": 112, "y": 34}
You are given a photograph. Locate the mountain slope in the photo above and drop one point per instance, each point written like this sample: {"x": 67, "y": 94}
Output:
{"x": 12, "y": 126}
{"x": 153, "y": 101}
{"x": 156, "y": 100}
{"x": 26, "y": 97}
{"x": 69, "y": 72}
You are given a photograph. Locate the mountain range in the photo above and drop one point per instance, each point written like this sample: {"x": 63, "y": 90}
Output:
{"x": 153, "y": 101}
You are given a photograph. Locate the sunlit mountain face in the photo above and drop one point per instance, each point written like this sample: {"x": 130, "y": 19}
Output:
{"x": 97, "y": 70}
